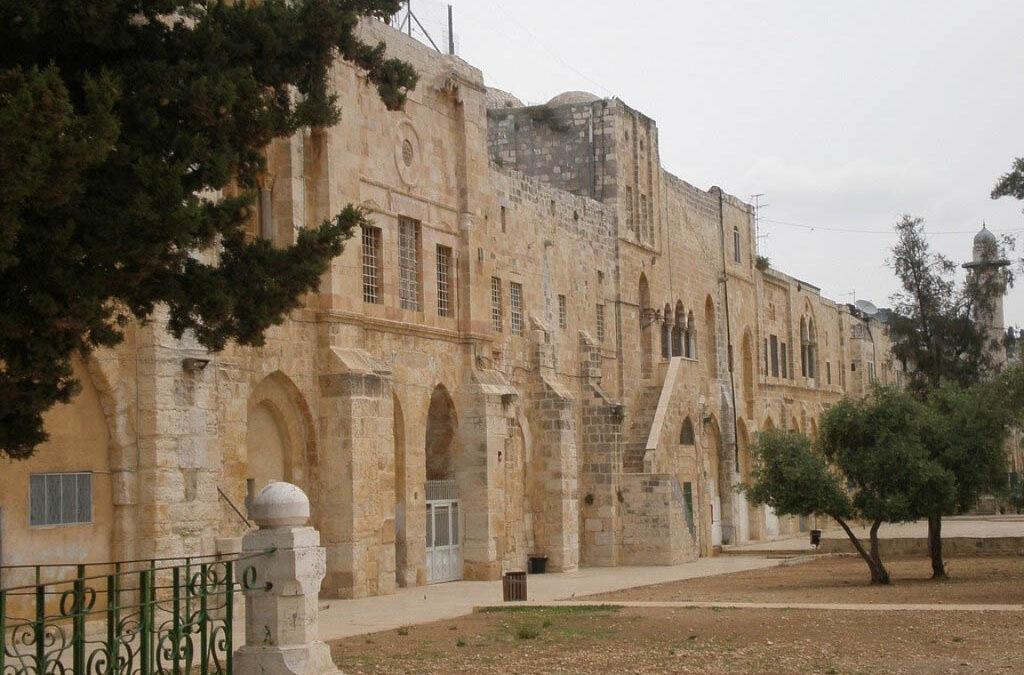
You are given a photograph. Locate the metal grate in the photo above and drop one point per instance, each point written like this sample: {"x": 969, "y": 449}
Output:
{"x": 562, "y": 318}
{"x": 630, "y": 225}
{"x": 441, "y": 489}
{"x": 600, "y": 322}
{"x": 60, "y": 499}
{"x": 409, "y": 263}
{"x": 496, "y": 313}
{"x": 444, "y": 266}
{"x": 371, "y": 264}
{"x": 515, "y": 297}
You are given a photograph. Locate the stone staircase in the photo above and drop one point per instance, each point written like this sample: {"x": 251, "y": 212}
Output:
{"x": 639, "y": 429}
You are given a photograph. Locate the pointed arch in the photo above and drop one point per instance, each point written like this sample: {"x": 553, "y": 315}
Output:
{"x": 678, "y": 329}
{"x": 439, "y": 441}
{"x": 748, "y": 372}
{"x": 710, "y": 338}
{"x": 686, "y": 435}
{"x": 646, "y": 319}
{"x": 691, "y": 336}
{"x": 666, "y": 332}
{"x": 280, "y": 443}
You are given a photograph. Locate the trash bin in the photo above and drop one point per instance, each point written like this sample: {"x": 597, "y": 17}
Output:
{"x": 815, "y": 538}
{"x": 513, "y": 586}
{"x": 537, "y": 564}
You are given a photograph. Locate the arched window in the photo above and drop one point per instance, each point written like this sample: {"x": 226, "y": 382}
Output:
{"x": 678, "y": 330}
{"x": 808, "y": 347}
{"x": 736, "y": 243}
{"x": 646, "y": 316}
{"x": 691, "y": 336}
{"x": 666, "y": 332}
{"x": 686, "y": 436}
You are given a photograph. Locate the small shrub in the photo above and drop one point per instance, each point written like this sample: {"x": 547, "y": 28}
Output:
{"x": 459, "y": 642}
{"x": 527, "y": 632}
{"x": 547, "y": 623}
{"x": 403, "y": 631}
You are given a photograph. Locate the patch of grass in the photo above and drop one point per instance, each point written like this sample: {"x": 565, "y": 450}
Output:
{"x": 547, "y": 623}
{"x": 459, "y": 642}
{"x": 403, "y": 631}
{"x": 527, "y": 632}
{"x": 549, "y": 611}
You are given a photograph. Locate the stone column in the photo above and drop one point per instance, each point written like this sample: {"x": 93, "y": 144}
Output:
{"x": 281, "y": 613}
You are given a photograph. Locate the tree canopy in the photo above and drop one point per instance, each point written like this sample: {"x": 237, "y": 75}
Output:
{"x": 1011, "y": 183}
{"x": 121, "y": 124}
{"x": 870, "y": 463}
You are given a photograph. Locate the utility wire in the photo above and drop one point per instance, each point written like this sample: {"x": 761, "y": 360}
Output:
{"x": 856, "y": 231}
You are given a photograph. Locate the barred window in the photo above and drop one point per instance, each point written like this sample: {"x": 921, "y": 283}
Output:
{"x": 600, "y": 322}
{"x": 409, "y": 263}
{"x": 736, "y": 244}
{"x": 515, "y": 297}
{"x": 444, "y": 280}
{"x": 496, "y": 313}
{"x": 371, "y": 264}
{"x": 60, "y": 499}
{"x": 562, "y": 318}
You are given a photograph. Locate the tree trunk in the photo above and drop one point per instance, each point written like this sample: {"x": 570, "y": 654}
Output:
{"x": 875, "y": 576}
{"x": 882, "y": 573}
{"x": 935, "y": 546}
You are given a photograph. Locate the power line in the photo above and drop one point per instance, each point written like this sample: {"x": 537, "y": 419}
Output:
{"x": 856, "y": 231}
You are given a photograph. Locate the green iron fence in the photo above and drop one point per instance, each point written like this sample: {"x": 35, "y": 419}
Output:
{"x": 169, "y": 616}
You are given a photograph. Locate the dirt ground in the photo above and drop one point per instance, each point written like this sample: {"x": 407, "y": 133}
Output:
{"x": 609, "y": 640}
{"x": 976, "y": 580}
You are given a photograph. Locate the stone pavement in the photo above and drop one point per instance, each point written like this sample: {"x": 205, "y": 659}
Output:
{"x": 423, "y": 604}
{"x": 952, "y": 527}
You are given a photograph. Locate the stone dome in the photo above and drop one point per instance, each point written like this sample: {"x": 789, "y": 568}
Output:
{"x": 496, "y": 98}
{"x": 985, "y": 236}
{"x": 574, "y": 97}
{"x": 280, "y": 505}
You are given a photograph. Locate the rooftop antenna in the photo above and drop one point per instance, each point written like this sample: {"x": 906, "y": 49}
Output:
{"x": 404, "y": 24}
{"x": 757, "y": 213}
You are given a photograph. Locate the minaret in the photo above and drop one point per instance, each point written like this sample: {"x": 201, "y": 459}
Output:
{"x": 987, "y": 264}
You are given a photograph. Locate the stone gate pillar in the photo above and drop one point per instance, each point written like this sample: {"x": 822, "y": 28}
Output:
{"x": 281, "y": 613}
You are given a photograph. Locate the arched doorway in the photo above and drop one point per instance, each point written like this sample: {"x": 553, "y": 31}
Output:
{"x": 277, "y": 433}
{"x": 402, "y": 571}
{"x": 443, "y": 524}
{"x": 721, "y": 484}
{"x": 753, "y": 513}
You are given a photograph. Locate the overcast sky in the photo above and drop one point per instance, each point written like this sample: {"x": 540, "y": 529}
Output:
{"x": 843, "y": 114}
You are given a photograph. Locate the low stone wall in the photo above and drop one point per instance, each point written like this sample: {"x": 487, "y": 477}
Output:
{"x": 914, "y": 546}
{"x": 654, "y": 530}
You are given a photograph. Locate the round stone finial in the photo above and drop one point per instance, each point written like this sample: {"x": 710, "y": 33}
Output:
{"x": 280, "y": 505}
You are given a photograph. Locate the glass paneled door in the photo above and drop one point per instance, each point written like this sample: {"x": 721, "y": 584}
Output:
{"x": 444, "y": 549}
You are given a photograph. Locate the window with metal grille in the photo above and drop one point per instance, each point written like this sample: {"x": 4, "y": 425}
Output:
{"x": 515, "y": 298}
{"x": 409, "y": 263}
{"x": 736, "y": 243}
{"x": 60, "y": 499}
{"x": 775, "y": 356}
{"x": 562, "y": 318}
{"x": 600, "y": 322}
{"x": 785, "y": 360}
{"x": 444, "y": 280}
{"x": 371, "y": 264}
{"x": 496, "y": 313}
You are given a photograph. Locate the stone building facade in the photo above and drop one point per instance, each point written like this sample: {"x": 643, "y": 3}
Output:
{"x": 545, "y": 345}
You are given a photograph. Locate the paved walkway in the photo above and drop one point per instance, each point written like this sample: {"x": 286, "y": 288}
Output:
{"x": 833, "y": 606}
{"x": 423, "y": 604}
{"x": 957, "y": 526}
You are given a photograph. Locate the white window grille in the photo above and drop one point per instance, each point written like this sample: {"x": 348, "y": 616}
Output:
{"x": 60, "y": 499}
{"x": 409, "y": 263}
{"x": 496, "y": 311}
{"x": 563, "y": 320}
{"x": 371, "y": 264}
{"x": 444, "y": 280}
{"x": 515, "y": 296}
{"x": 600, "y": 322}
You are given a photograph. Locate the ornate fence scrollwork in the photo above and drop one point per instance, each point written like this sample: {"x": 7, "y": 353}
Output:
{"x": 171, "y": 616}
